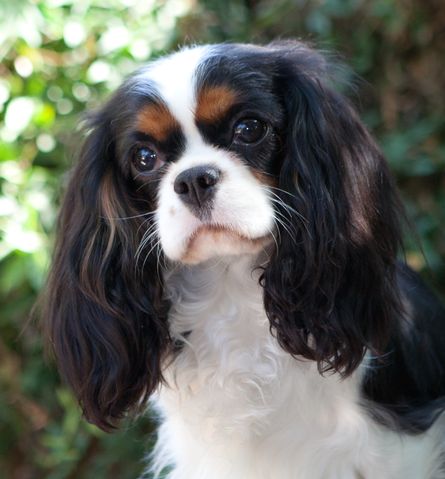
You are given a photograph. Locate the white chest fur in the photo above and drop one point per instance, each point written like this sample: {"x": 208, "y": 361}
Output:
{"x": 238, "y": 407}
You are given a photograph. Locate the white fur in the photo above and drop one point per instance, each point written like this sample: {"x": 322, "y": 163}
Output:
{"x": 250, "y": 214}
{"x": 236, "y": 406}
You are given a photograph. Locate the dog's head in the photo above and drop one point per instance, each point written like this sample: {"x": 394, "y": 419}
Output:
{"x": 216, "y": 151}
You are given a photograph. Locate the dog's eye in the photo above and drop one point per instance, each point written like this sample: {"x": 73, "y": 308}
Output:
{"x": 145, "y": 158}
{"x": 249, "y": 130}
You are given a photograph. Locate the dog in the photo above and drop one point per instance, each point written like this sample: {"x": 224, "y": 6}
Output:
{"x": 228, "y": 250}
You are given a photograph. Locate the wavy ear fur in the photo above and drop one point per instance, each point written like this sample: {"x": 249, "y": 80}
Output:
{"x": 330, "y": 289}
{"x": 105, "y": 318}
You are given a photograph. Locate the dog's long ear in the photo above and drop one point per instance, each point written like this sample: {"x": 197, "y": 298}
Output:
{"x": 330, "y": 289}
{"x": 104, "y": 316}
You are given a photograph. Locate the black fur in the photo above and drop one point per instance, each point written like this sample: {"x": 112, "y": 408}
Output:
{"x": 105, "y": 315}
{"x": 330, "y": 290}
{"x": 408, "y": 380}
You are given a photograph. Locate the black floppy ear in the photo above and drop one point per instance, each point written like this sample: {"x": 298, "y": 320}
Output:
{"x": 330, "y": 290}
{"x": 104, "y": 315}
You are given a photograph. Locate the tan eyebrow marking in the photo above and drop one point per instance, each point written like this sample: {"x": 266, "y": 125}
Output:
{"x": 157, "y": 121}
{"x": 214, "y": 102}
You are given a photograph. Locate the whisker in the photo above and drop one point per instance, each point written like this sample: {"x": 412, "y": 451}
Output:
{"x": 158, "y": 243}
{"x": 147, "y": 237}
{"x": 280, "y": 222}
{"x": 286, "y": 206}
{"x": 158, "y": 262}
{"x": 289, "y": 227}
{"x": 147, "y": 232}
{"x": 286, "y": 219}
{"x": 144, "y": 241}
{"x": 280, "y": 189}
{"x": 144, "y": 223}
{"x": 279, "y": 201}
{"x": 135, "y": 216}
{"x": 273, "y": 236}
{"x": 146, "y": 183}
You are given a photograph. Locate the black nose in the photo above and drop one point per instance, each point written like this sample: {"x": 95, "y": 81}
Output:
{"x": 196, "y": 186}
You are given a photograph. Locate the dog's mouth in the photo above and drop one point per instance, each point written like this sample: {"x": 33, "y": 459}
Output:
{"x": 213, "y": 240}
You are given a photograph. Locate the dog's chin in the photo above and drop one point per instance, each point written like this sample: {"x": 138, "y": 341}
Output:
{"x": 210, "y": 241}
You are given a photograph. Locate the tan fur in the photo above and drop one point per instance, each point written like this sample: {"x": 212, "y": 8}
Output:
{"x": 157, "y": 121}
{"x": 213, "y": 103}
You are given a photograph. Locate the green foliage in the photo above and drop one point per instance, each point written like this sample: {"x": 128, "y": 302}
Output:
{"x": 61, "y": 57}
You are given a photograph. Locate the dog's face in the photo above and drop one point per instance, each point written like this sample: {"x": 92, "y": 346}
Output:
{"x": 207, "y": 139}
{"x": 215, "y": 151}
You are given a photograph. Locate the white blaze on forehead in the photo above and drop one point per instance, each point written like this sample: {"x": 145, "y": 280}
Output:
{"x": 174, "y": 78}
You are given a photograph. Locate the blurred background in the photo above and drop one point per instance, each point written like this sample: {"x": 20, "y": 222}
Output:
{"x": 60, "y": 57}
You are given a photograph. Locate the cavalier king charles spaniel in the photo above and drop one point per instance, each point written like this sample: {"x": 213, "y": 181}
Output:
{"x": 227, "y": 247}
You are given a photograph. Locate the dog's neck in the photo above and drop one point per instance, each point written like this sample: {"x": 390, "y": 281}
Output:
{"x": 231, "y": 385}
{"x": 225, "y": 287}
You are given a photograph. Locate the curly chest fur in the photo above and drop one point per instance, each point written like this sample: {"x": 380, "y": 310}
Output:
{"x": 237, "y": 406}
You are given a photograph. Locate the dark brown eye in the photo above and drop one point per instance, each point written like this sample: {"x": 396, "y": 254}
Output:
{"x": 249, "y": 130}
{"x": 144, "y": 158}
